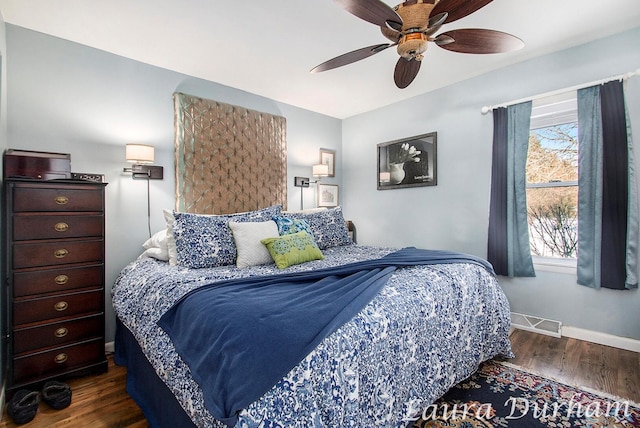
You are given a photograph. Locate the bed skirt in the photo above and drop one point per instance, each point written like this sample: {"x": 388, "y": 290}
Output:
{"x": 145, "y": 387}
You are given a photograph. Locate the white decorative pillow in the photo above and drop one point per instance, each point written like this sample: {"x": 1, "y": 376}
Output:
{"x": 156, "y": 253}
{"x": 156, "y": 246}
{"x": 157, "y": 240}
{"x": 171, "y": 240}
{"x": 247, "y": 236}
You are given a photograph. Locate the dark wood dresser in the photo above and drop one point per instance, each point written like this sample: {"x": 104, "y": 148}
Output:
{"x": 55, "y": 272}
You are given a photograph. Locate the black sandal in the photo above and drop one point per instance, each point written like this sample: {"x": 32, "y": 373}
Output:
{"x": 23, "y": 406}
{"x": 56, "y": 394}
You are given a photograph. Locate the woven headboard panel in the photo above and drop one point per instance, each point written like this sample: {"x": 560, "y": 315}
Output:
{"x": 228, "y": 159}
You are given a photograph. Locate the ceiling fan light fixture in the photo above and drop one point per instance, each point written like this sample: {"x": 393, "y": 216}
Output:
{"x": 412, "y": 45}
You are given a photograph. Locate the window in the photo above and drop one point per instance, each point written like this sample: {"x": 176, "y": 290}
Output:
{"x": 552, "y": 179}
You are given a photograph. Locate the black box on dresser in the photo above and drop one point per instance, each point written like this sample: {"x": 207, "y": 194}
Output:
{"x": 36, "y": 165}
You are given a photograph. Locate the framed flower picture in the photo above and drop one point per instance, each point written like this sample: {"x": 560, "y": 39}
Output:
{"x": 409, "y": 162}
{"x": 327, "y": 195}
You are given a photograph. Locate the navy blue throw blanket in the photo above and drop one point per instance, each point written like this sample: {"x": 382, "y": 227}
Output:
{"x": 240, "y": 337}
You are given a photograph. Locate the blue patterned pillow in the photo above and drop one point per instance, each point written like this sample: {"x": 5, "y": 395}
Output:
{"x": 289, "y": 226}
{"x": 327, "y": 226}
{"x": 207, "y": 241}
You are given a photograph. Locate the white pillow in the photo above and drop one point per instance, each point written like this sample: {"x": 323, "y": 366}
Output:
{"x": 171, "y": 240}
{"x": 156, "y": 253}
{"x": 158, "y": 240}
{"x": 247, "y": 236}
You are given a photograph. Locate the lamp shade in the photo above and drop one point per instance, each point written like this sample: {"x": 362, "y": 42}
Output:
{"x": 320, "y": 170}
{"x": 139, "y": 153}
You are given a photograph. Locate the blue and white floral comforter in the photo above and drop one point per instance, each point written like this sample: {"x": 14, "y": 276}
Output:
{"x": 427, "y": 329}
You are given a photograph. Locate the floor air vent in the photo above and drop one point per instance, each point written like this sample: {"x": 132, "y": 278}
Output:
{"x": 536, "y": 324}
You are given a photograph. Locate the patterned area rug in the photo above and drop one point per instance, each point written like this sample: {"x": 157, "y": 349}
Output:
{"x": 499, "y": 395}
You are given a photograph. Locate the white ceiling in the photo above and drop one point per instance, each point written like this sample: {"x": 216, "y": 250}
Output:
{"x": 267, "y": 47}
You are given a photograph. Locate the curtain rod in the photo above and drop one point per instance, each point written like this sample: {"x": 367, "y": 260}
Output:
{"x": 487, "y": 109}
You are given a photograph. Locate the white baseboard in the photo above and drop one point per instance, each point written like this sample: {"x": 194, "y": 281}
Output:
{"x": 601, "y": 338}
{"x": 110, "y": 347}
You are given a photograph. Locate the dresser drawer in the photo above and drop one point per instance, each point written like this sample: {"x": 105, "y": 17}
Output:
{"x": 59, "y": 198}
{"x": 27, "y": 311}
{"x": 39, "y": 281}
{"x": 57, "y": 253}
{"x": 57, "y": 334}
{"x": 43, "y": 226}
{"x": 57, "y": 361}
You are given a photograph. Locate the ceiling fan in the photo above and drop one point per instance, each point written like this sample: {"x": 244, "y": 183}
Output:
{"x": 411, "y": 26}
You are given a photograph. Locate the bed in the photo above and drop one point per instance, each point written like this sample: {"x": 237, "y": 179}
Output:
{"x": 428, "y": 325}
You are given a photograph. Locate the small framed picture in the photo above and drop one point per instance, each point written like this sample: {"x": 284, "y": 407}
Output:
{"x": 327, "y": 195}
{"x": 328, "y": 157}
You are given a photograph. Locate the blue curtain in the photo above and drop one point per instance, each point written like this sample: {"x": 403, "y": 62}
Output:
{"x": 607, "y": 198}
{"x": 497, "y": 242}
{"x": 508, "y": 244}
{"x": 589, "y": 186}
{"x": 633, "y": 217}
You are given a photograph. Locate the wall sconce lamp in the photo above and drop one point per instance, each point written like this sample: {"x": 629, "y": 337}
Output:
{"x": 319, "y": 170}
{"x": 141, "y": 155}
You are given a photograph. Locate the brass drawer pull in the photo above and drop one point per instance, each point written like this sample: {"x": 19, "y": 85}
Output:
{"x": 61, "y": 253}
{"x": 61, "y": 332}
{"x": 61, "y": 279}
{"x": 61, "y": 227}
{"x": 60, "y": 358}
{"x": 61, "y": 200}
{"x": 61, "y": 306}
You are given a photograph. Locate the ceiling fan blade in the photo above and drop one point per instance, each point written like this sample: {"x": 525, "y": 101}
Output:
{"x": 350, "y": 57}
{"x": 406, "y": 70}
{"x": 458, "y": 8}
{"x": 478, "y": 41}
{"x": 374, "y": 11}
{"x": 435, "y": 22}
{"x": 438, "y": 20}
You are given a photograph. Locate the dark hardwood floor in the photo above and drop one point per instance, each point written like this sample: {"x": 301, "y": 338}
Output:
{"x": 575, "y": 362}
{"x": 101, "y": 401}
{"x": 97, "y": 401}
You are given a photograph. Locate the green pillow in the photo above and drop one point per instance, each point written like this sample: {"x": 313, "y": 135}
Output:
{"x": 293, "y": 249}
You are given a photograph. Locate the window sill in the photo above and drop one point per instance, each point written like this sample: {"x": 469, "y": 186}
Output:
{"x": 548, "y": 264}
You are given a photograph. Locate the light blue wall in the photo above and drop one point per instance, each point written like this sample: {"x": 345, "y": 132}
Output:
{"x": 454, "y": 214}
{"x": 65, "y": 97}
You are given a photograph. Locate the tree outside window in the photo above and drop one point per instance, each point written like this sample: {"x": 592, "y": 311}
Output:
{"x": 552, "y": 180}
